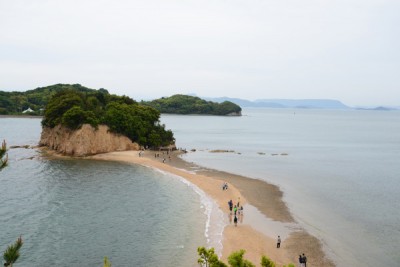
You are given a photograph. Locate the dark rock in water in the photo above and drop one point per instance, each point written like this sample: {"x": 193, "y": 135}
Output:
{"x": 221, "y": 151}
{"x": 24, "y": 146}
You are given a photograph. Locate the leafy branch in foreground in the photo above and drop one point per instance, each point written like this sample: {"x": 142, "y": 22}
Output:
{"x": 107, "y": 263}
{"x": 208, "y": 258}
{"x": 3, "y": 150}
{"x": 236, "y": 259}
{"x": 11, "y": 254}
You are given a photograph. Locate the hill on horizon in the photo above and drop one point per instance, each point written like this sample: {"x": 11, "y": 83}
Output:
{"x": 285, "y": 103}
{"x": 298, "y": 103}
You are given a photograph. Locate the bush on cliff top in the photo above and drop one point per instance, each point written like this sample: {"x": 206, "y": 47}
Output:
{"x": 123, "y": 115}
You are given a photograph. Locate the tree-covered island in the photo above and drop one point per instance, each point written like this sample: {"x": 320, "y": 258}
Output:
{"x": 72, "y": 105}
{"x": 185, "y": 104}
{"x": 33, "y": 102}
{"x": 72, "y": 108}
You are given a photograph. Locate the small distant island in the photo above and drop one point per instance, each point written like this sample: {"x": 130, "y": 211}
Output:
{"x": 185, "y": 104}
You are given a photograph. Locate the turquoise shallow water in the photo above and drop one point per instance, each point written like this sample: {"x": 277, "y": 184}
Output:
{"x": 75, "y": 212}
{"x": 340, "y": 176}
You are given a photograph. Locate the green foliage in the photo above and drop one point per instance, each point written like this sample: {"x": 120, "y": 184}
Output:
{"x": 11, "y": 254}
{"x": 184, "y": 104}
{"x": 74, "y": 117}
{"x": 236, "y": 260}
{"x": 121, "y": 114}
{"x": 60, "y": 104}
{"x": 15, "y": 102}
{"x": 208, "y": 258}
{"x": 267, "y": 262}
{"x": 107, "y": 263}
{"x": 3, "y": 155}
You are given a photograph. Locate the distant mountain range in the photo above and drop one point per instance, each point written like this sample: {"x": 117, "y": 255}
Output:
{"x": 293, "y": 103}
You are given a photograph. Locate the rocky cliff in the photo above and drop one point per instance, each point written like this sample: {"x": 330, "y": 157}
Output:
{"x": 85, "y": 141}
{"x": 239, "y": 113}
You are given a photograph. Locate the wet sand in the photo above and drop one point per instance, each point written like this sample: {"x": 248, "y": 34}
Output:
{"x": 265, "y": 197}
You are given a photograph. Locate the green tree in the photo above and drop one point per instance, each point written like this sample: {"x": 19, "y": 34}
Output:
{"x": 267, "y": 262}
{"x": 76, "y": 116}
{"x": 60, "y": 104}
{"x": 236, "y": 259}
{"x": 208, "y": 258}
{"x": 11, "y": 254}
{"x": 3, "y": 155}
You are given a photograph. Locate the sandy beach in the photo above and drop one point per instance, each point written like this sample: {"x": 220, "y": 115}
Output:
{"x": 265, "y": 197}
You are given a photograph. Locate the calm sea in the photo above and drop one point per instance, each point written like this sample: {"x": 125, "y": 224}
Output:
{"x": 339, "y": 171}
{"x": 75, "y": 212}
{"x": 340, "y": 176}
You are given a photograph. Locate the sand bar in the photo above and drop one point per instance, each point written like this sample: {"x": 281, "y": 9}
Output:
{"x": 265, "y": 197}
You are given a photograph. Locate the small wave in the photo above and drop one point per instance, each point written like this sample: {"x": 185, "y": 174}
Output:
{"x": 190, "y": 172}
{"x": 215, "y": 222}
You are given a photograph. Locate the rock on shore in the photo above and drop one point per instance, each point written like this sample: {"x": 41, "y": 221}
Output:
{"x": 84, "y": 141}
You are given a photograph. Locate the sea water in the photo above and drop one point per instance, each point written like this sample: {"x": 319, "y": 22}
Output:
{"x": 75, "y": 212}
{"x": 339, "y": 170}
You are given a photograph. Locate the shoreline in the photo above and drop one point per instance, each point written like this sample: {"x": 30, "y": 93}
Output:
{"x": 21, "y": 116}
{"x": 251, "y": 234}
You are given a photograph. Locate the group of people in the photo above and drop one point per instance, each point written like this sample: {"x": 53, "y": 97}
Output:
{"x": 157, "y": 155}
{"x": 303, "y": 260}
{"x": 237, "y": 210}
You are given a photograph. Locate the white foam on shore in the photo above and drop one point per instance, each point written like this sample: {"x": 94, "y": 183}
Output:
{"x": 184, "y": 170}
{"x": 215, "y": 222}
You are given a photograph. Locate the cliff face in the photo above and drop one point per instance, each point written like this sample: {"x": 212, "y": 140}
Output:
{"x": 239, "y": 113}
{"x": 85, "y": 141}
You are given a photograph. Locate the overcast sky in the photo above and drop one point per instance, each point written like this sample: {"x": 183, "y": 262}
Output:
{"x": 347, "y": 50}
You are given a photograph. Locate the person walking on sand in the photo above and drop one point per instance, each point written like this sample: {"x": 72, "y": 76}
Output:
{"x": 234, "y": 210}
{"x": 304, "y": 260}
{"x": 224, "y": 186}
{"x": 301, "y": 261}
{"x": 235, "y": 220}
{"x": 230, "y": 203}
{"x": 278, "y": 242}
